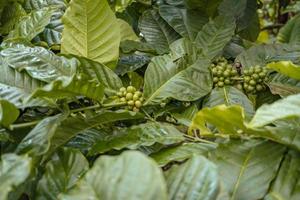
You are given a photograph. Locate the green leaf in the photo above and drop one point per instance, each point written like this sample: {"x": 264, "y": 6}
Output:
{"x": 41, "y": 64}
{"x": 31, "y": 25}
{"x": 14, "y": 170}
{"x": 248, "y": 167}
{"x": 185, "y": 22}
{"x": 214, "y": 36}
{"x": 245, "y": 13}
{"x": 126, "y": 180}
{"x": 284, "y": 86}
{"x": 287, "y": 68}
{"x": 136, "y": 136}
{"x": 91, "y": 30}
{"x": 194, "y": 180}
{"x": 286, "y": 184}
{"x": 166, "y": 78}
{"x": 281, "y": 109}
{"x": 55, "y": 131}
{"x": 16, "y": 87}
{"x": 101, "y": 73}
{"x": 61, "y": 173}
{"x": 8, "y": 113}
{"x": 208, "y": 7}
{"x": 156, "y": 31}
{"x": 13, "y": 12}
{"x": 290, "y": 32}
{"x": 263, "y": 54}
{"x": 126, "y": 31}
{"x": 39, "y": 4}
{"x": 229, "y": 96}
{"x": 64, "y": 87}
{"x": 181, "y": 153}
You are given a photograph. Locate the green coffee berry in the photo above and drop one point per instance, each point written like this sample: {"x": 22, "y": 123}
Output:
{"x": 122, "y": 99}
{"x": 227, "y": 81}
{"x": 130, "y": 103}
{"x": 252, "y": 82}
{"x": 135, "y": 109}
{"x": 220, "y": 84}
{"x": 215, "y": 79}
{"x": 122, "y": 89}
{"x": 129, "y": 96}
{"x": 131, "y": 89}
{"x": 135, "y": 97}
{"x": 138, "y": 104}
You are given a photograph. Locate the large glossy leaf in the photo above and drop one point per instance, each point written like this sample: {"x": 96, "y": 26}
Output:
{"x": 39, "y": 4}
{"x": 214, "y": 36}
{"x": 13, "y": 12}
{"x": 101, "y": 73}
{"x": 185, "y": 117}
{"x": 16, "y": 87}
{"x": 129, "y": 176}
{"x": 14, "y": 170}
{"x": 61, "y": 173}
{"x": 156, "y": 31}
{"x": 263, "y": 54}
{"x": 245, "y": 13}
{"x": 136, "y": 136}
{"x": 8, "y": 113}
{"x": 208, "y": 7}
{"x": 91, "y": 30}
{"x": 182, "y": 152}
{"x": 229, "y": 96}
{"x": 186, "y": 22}
{"x": 286, "y": 184}
{"x": 38, "y": 62}
{"x": 282, "y": 109}
{"x": 55, "y": 131}
{"x": 287, "y": 68}
{"x": 283, "y": 85}
{"x": 248, "y": 167}
{"x": 290, "y": 32}
{"x": 197, "y": 179}
{"x": 64, "y": 87}
{"x": 180, "y": 79}
{"x": 32, "y": 25}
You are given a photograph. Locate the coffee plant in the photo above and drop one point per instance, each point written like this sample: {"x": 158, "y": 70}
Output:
{"x": 149, "y": 100}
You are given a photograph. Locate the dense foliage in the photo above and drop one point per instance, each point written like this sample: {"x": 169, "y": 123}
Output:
{"x": 141, "y": 99}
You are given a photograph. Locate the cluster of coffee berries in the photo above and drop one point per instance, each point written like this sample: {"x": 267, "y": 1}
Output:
{"x": 223, "y": 73}
{"x": 254, "y": 78}
{"x": 132, "y": 97}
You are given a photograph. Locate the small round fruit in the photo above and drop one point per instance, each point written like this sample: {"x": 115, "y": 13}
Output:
{"x": 233, "y": 72}
{"x": 138, "y": 104}
{"x": 130, "y": 103}
{"x": 226, "y": 73}
{"x": 122, "y": 99}
{"x": 122, "y": 89}
{"x": 124, "y": 94}
{"x": 214, "y": 71}
{"x": 139, "y": 93}
{"x": 246, "y": 85}
{"x": 257, "y": 69}
{"x": 221, "y": 78}
{"x": 135, "y": 109}
{"x": 266, "y": 79}
{"x": 252, "y": 82}
{"x": 220, "y": 84}
{"x": 120, "y": 94}
{"x": 259, "y": 88}
{"x": 246, "y": 72}
{"x": 135, "y": 97}
{"x": 239, "y": 86}
{"x": 250, "y": 88}
{"x": 262, "y": 74}
{"x": 141, "y": 99}
{"x": 227, "y": 81}
{"x": 129, "y": 96}
{"x": 247, "y": 79}
{"x": 131, "y": 89}
{"x": 219, "y": 73}
{"x": 215, "y": 79}
{"x": 251, "y": 70}
{"x": 255, "y": 76}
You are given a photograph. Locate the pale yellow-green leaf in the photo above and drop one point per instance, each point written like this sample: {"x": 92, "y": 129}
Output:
{"x": 287, "y": 68}
{"x": 127, "y": 32}
{"x": 91, "y": 30}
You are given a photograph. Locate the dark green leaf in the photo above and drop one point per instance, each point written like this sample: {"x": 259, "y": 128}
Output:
{"x": 136, "y": 136}
{"x": 130, "y": 176}
{"x": 62, "y": 173}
